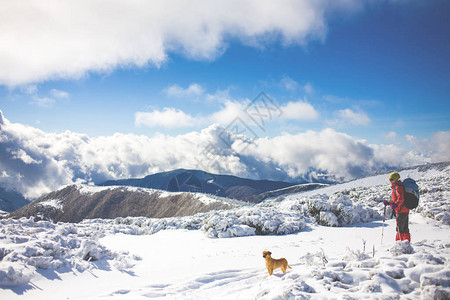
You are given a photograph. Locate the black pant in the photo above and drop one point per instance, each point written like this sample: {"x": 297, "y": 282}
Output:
{"x": 402, "y": 222}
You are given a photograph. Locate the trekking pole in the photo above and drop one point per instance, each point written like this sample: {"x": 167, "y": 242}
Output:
{"x": 382, "y": 230}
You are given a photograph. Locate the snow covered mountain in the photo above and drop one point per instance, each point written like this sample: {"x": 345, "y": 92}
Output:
{"x": 182, "y": 180}
{"x": 334, "y": 238}
{"x": 78, "y": 202}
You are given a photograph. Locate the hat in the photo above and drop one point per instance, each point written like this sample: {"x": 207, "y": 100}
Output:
{"x": 394, "y": 176}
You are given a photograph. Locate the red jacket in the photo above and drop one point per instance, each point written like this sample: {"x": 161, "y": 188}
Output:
{"x": 398, "y": 197}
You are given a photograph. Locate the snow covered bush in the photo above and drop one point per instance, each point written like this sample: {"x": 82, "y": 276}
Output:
{"x": 434, "y": 198}
{"x": 401, "y": 247}
{"x": 337, "y": 209}
{"x": 252, "y": 221}
{"x": 13, "y": 274}
{"x": 355, "y": 255}
{"x": 328, "y": 218}
{"x": 28, "y": 246}
{"x": 318, "y": 258}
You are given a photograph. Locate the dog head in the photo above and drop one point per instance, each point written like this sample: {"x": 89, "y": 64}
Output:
{"x": 266, "y": 253}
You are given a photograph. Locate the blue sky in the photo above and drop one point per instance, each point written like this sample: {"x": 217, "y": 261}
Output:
{"x": 373, "y": 70}
{"x": 389, "y": 61}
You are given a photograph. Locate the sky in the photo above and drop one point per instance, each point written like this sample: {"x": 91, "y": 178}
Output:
{"x": 263, "y": 89}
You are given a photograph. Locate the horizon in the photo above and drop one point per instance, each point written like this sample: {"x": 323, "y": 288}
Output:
{"x": 271, "y": 91}
{"x": 293, "y": 182}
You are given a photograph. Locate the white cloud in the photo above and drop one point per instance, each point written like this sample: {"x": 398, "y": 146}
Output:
{"x": 436, "y": 148}
{"x": 67, "y": 39}
{"x": 335, "y": 99}
{"x": 229, "y": 112}
{"x": 299, "y": 110}
{"x": 59, "y": 94}
{"x": 42, "y": 101}
{"x": 30, "y": 89}
{"x": 308, "y": 88}
{"x": 23, "y": 156}
{"x": 348, "y": 116}
{"x": 37, "y": 162}
{"x": 391, "y": 135}
{"x": 193, "y": 90}
{"x": 289, "y": 84}
{"x": 327, "y": 150}
{"x": 167, "y": 118}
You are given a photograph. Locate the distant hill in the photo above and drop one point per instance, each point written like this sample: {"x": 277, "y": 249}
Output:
{"x": 78, "y": 202}
{"x": 182, "y": 180}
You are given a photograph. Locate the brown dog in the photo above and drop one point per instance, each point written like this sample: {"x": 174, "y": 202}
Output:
{"x": 273, "y": 264}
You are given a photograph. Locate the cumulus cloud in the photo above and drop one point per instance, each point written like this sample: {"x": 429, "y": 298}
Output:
{"x": 299, "y": 110}
{"x": 67, "y": 39}
{"x": 229, "y": 112}
{"x": 308, "y": 88}
{"x": 171, "y": 117}
{"x": 42, "y": 101}
{"x": 194, "y": 89}
{"x": 30, "y": 89}
{"x": 349, "y": 116}
{"x": 248, "y": 112}
{"x": 291, "y": 85}
{"x": 59, "y": 94}
{"x": 167, "y": 118}
{"x": 436, "y": 147}
{"x": 34, "y": 162}
{"x": 327, "y": 151}
{"x": 392, "y": 135}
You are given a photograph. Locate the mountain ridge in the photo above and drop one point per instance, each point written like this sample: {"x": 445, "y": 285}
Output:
{"x": 75, "y": 203}
{"x": 166, "y": 204}
{"x": 187, "y": 180}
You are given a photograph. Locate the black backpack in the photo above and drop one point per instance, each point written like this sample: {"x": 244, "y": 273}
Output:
{"x": 411, "y": 191}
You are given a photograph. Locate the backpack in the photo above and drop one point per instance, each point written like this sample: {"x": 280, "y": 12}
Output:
{"x": 411, "y": 191}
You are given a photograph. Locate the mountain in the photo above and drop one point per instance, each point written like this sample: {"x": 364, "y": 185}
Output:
{"x": 78, "y": 202}
{"x": 182, "y": 180}
{"x": 135, "y": 258}
{"x": 11, "y": 200}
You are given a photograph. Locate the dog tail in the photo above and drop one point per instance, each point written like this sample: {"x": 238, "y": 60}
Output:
{"x": 289, "y": 267}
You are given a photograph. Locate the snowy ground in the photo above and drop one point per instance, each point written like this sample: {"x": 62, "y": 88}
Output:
{"x": 218, "y": 255}
{"x": 185, "y": 264}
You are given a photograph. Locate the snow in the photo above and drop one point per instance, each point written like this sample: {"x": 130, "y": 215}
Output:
{"x": 54, "y": 203}
{"x": 331, "y": 237}
{"x": 204, "y": 198}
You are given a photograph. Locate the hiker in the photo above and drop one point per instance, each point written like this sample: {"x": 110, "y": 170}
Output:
{"x": 397, "y": 205}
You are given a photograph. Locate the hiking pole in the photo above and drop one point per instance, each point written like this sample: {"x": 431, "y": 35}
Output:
{"x": 382, "y": 230}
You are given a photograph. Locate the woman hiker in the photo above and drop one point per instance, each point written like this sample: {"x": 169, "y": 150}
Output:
{"x": 401, "y": 211}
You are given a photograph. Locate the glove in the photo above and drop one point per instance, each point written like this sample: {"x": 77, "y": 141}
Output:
{"x": 385, "y": 203}
{"x": 394, "y": 206}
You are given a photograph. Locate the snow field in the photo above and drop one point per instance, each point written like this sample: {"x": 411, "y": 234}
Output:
{"x": 328, "y": 263}
{"x": 331, "y": 237}
{"x": 27, "y": 246}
